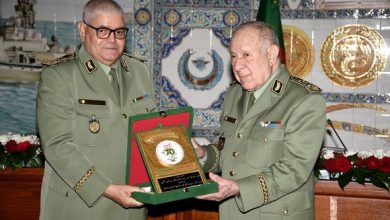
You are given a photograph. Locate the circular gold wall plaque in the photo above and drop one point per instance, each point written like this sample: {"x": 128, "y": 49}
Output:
{"x": 353, "y": 55}
{"x": 299, "y": 51}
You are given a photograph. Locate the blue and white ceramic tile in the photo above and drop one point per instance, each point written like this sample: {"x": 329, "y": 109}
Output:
{"x": 202, "y": 47}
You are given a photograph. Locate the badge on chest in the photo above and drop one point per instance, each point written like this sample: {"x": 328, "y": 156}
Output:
{"x": 94, "y": 125}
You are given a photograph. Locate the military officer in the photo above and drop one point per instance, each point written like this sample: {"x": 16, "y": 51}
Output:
{"x": 83, "y": 104}
{"x": 271, "y": 132}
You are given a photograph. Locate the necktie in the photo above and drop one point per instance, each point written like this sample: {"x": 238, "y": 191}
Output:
{"x": 251, "y": 101}
{"x": 114, "y": 81}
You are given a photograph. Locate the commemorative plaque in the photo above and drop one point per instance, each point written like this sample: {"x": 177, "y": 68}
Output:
{"x": 161, "y": 158}
{"x": 169, "y": 158}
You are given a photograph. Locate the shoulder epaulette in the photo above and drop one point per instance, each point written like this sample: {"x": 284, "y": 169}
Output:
{"x": 309, "y": 86}
{"x": 58, "y": 60}
{"x": 135, "y": 57}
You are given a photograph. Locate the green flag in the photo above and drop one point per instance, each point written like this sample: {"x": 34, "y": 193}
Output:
{"x": 269, "y": 13}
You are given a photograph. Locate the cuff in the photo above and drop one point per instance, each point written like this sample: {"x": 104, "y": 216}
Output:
{"x": 92, "y": 186}
{"x": 251, "y": 194}
{"x": 202, "y": 161}
{"x": 212, "y": 161}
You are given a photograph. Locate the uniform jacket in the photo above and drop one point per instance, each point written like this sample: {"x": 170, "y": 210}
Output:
{"x": 271, "y": 150}
{"x": 83, "y": 130}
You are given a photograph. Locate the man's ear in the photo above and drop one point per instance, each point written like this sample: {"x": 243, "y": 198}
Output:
{"x": 272, "y": 54}
{"x": 81, "y": 28}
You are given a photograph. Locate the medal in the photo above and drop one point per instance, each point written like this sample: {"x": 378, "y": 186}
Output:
{"x": 94, "y": 125}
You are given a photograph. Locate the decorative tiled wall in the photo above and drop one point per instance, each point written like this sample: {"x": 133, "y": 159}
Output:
{"x": 187, "y": 28}
{"x": 185, "y": 44}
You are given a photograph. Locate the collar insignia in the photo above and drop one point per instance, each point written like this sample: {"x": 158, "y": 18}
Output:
{"x": 90, "y": 66}
{"x": 277, "y": 87}
{"x": 124, "y": 64}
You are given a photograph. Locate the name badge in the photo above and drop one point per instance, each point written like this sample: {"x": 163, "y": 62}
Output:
{"x": 140, "y": 98}
{"x": 92, "y": 102}
{"x": 229, "y": 119}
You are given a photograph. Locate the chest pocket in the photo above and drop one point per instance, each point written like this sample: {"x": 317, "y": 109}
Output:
{"x": 265, "y": 146}
{"x": 142, "y": 105}
{"x": 84, "y": 114}
{"x": 227, "y": 130}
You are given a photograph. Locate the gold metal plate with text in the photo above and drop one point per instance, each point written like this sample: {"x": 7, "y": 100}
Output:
{"x": 353, "y": 55}
{"x": 170, "y": 159}
{"x": 299, "y": 51}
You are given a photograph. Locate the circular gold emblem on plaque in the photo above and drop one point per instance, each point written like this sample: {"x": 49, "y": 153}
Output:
{"x": 299, "y": 51}
{"x": 169, "y": 152}
{"x": 353, "y": 55}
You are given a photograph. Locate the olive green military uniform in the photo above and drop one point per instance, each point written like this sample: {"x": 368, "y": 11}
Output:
{"x": 83, "y": 128}
{"x": 271, "y": 150}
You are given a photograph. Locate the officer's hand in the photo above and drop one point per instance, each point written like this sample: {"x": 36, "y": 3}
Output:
{"x": 121, "y": 194}
{"x": 227, "y": 188}
{"x": 199, "y": 150}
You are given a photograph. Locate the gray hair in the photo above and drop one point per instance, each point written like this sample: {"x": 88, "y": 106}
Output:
{"x": 92, "y": 7}
{"x": 265, "y": 32}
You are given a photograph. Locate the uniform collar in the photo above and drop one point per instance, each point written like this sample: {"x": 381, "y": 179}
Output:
{"x": 257, "y": 93}
{"x": 91, "y": 64}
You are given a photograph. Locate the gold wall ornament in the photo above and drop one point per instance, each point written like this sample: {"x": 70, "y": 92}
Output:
{"x": 362, "y": 129}
{"x": 341, "y": 106}
{"x": 299, "y": 51}
{"x": 353, "y": 55}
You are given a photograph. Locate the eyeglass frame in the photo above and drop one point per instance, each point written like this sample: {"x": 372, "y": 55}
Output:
{"x": 111, "y": 31}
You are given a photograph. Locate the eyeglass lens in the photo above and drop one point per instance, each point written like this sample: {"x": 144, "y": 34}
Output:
{"x": 104, "y": 33}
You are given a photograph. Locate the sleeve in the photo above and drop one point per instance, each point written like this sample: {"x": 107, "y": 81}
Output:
{"x": 304, "y": 133}
{"x": 56, "y": 117}
{"x": 212, "y": 161}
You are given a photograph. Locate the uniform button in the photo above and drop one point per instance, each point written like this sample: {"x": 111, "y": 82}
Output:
{"x": 124, "y": 116}
{"x": 285, "y": 211}
{"x": 239, "y": 135}
{"x": 67, "y": 194}
{"x": 235, "y": 154}
{"x": 264, "y": 139}
{"x": 232, "y": 173}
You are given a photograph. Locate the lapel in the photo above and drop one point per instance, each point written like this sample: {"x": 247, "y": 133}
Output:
{"x": 271, "y": 95}
{"x": 125, "y": 81}
{"x": 95, "y": 75}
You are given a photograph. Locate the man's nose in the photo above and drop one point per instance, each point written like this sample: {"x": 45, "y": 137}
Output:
{"x": 111, "y": 38}
{"x": 237, "y": 64}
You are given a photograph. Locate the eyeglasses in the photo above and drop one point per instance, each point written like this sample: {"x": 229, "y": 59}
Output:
{"x": 104, "y": 33}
